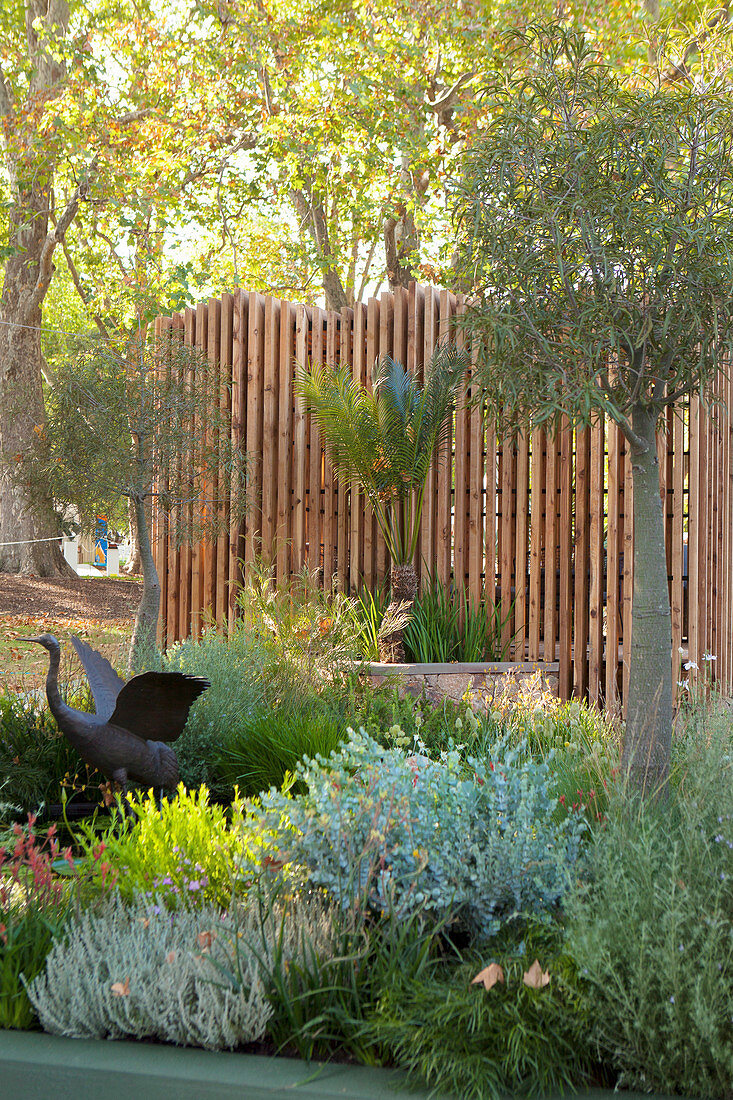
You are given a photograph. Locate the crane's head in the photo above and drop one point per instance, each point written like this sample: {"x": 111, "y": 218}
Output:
{"x": 46, "y": 640}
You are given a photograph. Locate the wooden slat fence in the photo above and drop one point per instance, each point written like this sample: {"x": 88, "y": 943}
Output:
{"x": 542, "y": 524}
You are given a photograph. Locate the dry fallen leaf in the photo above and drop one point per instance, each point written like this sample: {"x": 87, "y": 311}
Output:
{"x": 170, "y": 957}
{"x": 205, "y": 940}
{"x": 121, "y": 989}
{"x": 489, "y": 976}
{"x": 536, "y": 977}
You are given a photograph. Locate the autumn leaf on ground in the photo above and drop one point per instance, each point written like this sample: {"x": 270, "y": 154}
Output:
{"x": 205, "y": 940}
{"x": 489, "y": 976}
{"x": 536, "y": 977}
{"x": 121, "y": 989}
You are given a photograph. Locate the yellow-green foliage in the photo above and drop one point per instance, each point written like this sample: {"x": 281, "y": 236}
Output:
{"x": 183, "y": 850}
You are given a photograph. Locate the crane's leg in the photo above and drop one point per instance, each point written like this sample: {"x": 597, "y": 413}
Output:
{"x": 120, "y": 778}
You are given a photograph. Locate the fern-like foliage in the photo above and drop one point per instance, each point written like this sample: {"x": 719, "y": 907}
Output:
{"x": 385, "y": 439}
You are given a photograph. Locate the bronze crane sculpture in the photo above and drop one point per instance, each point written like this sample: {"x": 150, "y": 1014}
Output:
{"x": 125, "y": 739}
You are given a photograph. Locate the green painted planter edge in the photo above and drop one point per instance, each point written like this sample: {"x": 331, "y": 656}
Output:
{"x": 46, "y": 1067}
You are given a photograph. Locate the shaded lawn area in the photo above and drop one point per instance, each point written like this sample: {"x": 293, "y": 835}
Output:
{"x": 99, "y": 610}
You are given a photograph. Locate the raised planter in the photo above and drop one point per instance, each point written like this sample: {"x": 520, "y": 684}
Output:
{"x": 34, "y": 1066}
{"x": 485, "y": 679}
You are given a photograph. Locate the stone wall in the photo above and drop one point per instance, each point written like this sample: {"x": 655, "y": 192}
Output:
{"x": 487, "y": 680}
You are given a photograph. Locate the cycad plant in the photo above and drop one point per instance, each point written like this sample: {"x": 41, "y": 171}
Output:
{"x": 385, "y": 440}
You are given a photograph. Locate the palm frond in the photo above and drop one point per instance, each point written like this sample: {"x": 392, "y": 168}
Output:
{"x": 385, "y": 440}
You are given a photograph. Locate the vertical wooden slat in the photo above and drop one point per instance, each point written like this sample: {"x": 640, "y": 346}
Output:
{"x": 612, "y": 571}
{"x": 582, "y": 546}
{"x": 175, "y": 550}
{"x": 159, "y": 525}
{"x": 344, "y": 501}
{"x": 551, "y": 519}
{"x": 444, "y": 532}
{"x": 597, "y": 515}
{"x": 255, "y": 383}
{"x": 478, "y": 471}
{"x": 370, "y": 528}
{"x": 211, "y": 489}
{"x": 521, "y": 547}
{"x": 676, "y": 590}
{"x": 506, "y": 548}
{"x": 300, "y": 451}
{"x": 285, "y": 416}
{"x": 565, "y": 541}
{"x": 184, "y": 607}
{"x": 270, "y": 464}
{"x": 240, "y": 331}
{"x": 386, "y": 347}
{"x": 357, "y": 502}
{"x": 461, "y": 493}
{"x": 536, "y": 543}
{"x": 428, "y": 526}
{"x": 198, "y": 549}
{"x": 330, "y": 488}
{"x": 224, "y": 491}
{"x": 693, "y": 549}
{"x": 315, "y": 472}
{"x": 490, "y": 518}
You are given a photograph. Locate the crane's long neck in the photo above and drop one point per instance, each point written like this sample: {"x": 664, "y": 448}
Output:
{"x": 59, "y": 709}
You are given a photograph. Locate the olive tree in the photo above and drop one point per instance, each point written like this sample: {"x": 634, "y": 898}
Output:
{"x": 145, "y": 421}
{"x": 595, "y": 227}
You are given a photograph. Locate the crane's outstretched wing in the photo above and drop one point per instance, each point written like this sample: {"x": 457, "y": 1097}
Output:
{"x": 106, "y": 685}
{"x": 155, "y": 705}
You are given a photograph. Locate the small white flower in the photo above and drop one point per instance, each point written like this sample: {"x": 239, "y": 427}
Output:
{"x": 691, "y": 664}
{"x": 709, "y": 657}
{"x": 680, "y": 649}
{"x": 684, "y": 684}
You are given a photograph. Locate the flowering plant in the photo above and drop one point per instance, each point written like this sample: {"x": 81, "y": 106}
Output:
{"x": 33, "y": 909}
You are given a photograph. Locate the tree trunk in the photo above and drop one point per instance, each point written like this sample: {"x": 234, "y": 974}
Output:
{"x": 648, "y": 741}
{"x": 134, "y": 565}
{"x": 145, "y": 634}
{"x": 403, "y": 585}
{"x": 25, "y": 517}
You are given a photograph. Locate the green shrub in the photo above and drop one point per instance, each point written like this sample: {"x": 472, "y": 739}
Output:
{"x": 452, "y": 1034}
{"x": 582, "y": 746}
{"x": 37, "y": 763}
{"x": 182, "y": 851}
{"x": 140, "y": 972}
{"x": 652, "y": 934}
{"x": 326, "y": 967}
{"x": 284, "y": 652}
{"x": 401, "y": 833}
{"x": 260, "y": 755}
{"x": 33, "y": 909}
{"x": 449, "y": 626}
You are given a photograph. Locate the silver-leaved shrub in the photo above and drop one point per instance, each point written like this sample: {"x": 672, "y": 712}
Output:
{"x": 398, "y": 832}
{"x": 141, "y": 971}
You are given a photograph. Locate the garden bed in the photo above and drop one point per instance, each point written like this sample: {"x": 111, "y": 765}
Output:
{"x": 452, "y": 681}
{"x": 78, "y": 1069}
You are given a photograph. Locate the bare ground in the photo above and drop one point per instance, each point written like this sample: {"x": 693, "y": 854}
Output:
{"x": 100, "y": 610}
{"x": 57, "y": 598}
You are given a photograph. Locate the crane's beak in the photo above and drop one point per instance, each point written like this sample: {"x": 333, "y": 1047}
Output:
{"x": 29, "y": 640}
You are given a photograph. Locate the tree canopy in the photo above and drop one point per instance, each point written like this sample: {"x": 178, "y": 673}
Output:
{"x": 596, "y": 230}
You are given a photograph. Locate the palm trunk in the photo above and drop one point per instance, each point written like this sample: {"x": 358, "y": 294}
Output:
{"x": 403, "y": 583}
{"x": 648, "y": 741}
